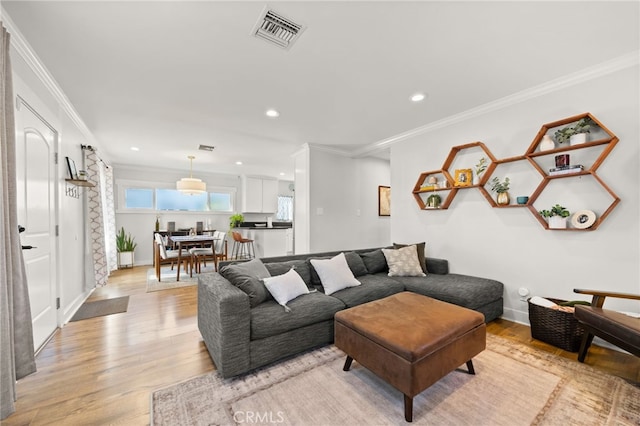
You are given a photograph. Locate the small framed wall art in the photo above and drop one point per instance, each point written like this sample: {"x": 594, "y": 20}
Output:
{"x": 71, "y": 166}
{"x": 463, "y": 177}
{"x": 384, "y": 201}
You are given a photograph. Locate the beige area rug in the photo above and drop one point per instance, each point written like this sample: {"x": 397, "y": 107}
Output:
{"x": 101, "y": 308}
{"x": 513, "y": 385}
{"x": 168, "y": 278}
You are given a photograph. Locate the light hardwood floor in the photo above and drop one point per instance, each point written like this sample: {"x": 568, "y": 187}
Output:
{"x": 102, "y": 370}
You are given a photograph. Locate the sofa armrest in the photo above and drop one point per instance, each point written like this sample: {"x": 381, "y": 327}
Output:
{"x": 437, "y": 266}
{"x": 224, "y": 321}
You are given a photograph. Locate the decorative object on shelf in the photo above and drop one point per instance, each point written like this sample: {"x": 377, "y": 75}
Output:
{"x": 583, "y": 219}
{"x": 523, "y": 199}
{"x": 547, "y": 144}
{"x": 557, "y": 216}
{"x": 82, "y": 175}
{"x": 432, "y": 180}
{"x": 171, "y": 226}
{"x": 562, "y": 160}
{"x": 566, "y": 170}
{"x": 434, "y": 201}
{"x": 157, "y": 223}
{"x": 384, "y": 200}
{"x": 199, "y": 227}
{"x": 191, "y": 185}
{"x": 575, "y": 134}
{"x": 479, "y": 170}
{"x": 501, "y": 188}
{"x": 125, "y": 246}
{"x": 235, "y": 220}
{"x": 71, "y": 166}
{"x": 463, "y": 177}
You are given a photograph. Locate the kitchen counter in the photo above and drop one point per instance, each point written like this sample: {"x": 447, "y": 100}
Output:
{"x": 278, "y": 241}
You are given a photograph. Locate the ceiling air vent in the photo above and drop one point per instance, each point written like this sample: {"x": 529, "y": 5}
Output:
{"x": 277, "y": 29}
{"x": 206, "y": 148}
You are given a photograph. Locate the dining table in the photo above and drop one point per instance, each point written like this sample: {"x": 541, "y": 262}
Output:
{"x": 185, "y": 241}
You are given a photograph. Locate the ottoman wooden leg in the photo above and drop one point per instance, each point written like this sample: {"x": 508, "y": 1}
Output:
{"x": 408, "y": 408}
{"x": 470, "y": 368}
{"x": 347, "y": 363}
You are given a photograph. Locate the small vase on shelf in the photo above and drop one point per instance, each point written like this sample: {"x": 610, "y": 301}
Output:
{"x": 547, "y": 144}
{"x": 503, "y": 199}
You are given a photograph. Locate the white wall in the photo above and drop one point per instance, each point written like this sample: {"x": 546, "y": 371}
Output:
{"x": 343, "y": 202}
{"x": 509, "y": 244}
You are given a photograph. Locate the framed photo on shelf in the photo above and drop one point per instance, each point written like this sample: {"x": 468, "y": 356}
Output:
{"x": 384, "y": 201}
{"x": 71, "y": 166}
{"x": 463, "y": 177}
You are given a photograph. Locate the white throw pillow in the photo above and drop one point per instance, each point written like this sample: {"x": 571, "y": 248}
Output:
{"x": 334, "y": 273}
{"x": 403, "y": 262}
{"x": 286, "y": 287}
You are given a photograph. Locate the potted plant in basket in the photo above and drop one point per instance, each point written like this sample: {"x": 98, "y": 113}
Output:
{"x": 501, "y": 188}
{"x": 125, "y": 246}
{"x": 575, "y": 134}
{"x": 557, "y": 216}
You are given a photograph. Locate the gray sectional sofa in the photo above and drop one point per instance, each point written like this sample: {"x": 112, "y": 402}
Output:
{"x": 240, "y": 337}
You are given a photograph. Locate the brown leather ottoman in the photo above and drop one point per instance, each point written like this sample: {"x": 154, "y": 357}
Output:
{"x": 409, "y": 340}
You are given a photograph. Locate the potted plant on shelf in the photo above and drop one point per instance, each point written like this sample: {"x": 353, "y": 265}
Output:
{"x": 434, "y": 201}
{"x": 235, "y": 220}
{"x": 501, "y": 188}
{"x": 125, "y": 246}
{"x": 575, "y": 134}
{"x": 479, "y": 170}
{"x": 557, "y": 216}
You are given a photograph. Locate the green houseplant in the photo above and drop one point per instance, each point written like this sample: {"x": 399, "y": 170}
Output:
{"x": 556, "y": 216}
{"x": 235, "y": 220}
{"x": 125, "y": 246}
{"x": 582, "y": 127}
{"x": 479, "y": 170}
{"x": 501, "y": 188}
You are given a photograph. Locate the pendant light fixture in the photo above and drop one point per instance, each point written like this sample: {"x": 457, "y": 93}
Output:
{"x": 191, "y": 185}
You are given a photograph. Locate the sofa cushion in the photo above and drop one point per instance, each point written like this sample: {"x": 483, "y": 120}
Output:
{"x": 286, "y": 287}
{"x": 403, "y": 262}
{"x": 373, "y": 287}
{"x": 302, "y": 267}
{"x": 334, "y": 273}
{"x": 269, "y": 319}
{"x": 420, "y": 247}
{"x": 247, "y": 277}
{"x": 374, "y": 261}
{"x": 463, "y": 290}
{"x": 356, "y": 264}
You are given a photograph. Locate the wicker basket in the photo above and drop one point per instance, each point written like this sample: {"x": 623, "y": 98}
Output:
{"x": 555, "y": 327}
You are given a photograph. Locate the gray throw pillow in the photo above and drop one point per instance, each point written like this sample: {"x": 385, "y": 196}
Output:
{"x": 421, "y": 256}
{"x": 247, "y": 277}
{"x": 301, "y": 267}
{"x": 356, "y": 264}
{"x": 374, "y": 261}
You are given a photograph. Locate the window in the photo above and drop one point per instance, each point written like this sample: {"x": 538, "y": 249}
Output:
{"x": 138, "y": 198}
{"x": 150, "y": 196}
{"x": 285, "y": 208}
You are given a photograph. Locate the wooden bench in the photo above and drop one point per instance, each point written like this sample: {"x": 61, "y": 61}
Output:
{"x": 410, "y": 341}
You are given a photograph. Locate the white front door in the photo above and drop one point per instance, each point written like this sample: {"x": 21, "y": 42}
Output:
{"x": 36, "y": 174}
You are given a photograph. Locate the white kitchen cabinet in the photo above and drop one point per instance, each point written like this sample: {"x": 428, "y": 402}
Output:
{"x": 259, "y": 195}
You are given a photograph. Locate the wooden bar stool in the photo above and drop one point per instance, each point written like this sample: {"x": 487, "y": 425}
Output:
{"x": 242, "y": 247}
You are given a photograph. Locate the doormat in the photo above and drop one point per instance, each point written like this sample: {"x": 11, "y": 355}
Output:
{"x": 101, "y": 307}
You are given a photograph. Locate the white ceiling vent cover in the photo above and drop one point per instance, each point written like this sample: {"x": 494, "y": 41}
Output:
{"x": 277, "y": 29}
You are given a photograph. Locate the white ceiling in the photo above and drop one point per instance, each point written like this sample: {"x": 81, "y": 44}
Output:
{"x": 167, "y": 76}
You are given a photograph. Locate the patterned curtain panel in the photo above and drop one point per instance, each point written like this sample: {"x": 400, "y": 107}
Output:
{"x": 95, "y": 220}
{"x": 109, "y": 218}
{"x": 16, "y": 332}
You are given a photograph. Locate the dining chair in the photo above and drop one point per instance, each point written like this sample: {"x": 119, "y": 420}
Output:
{"x": 162, "y": 256}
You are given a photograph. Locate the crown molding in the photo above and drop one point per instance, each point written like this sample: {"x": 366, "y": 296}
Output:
{"x": 22, "y": 47}
{"x": 608, "y": 67}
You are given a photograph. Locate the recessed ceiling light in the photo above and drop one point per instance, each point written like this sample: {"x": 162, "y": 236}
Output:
{"x": 272, "y": 113}
{"x": 239, "y": 163}
{"x": 417, "y": 97}
{"x": 135, "y": 148}
{"x": 281, "y": 173}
